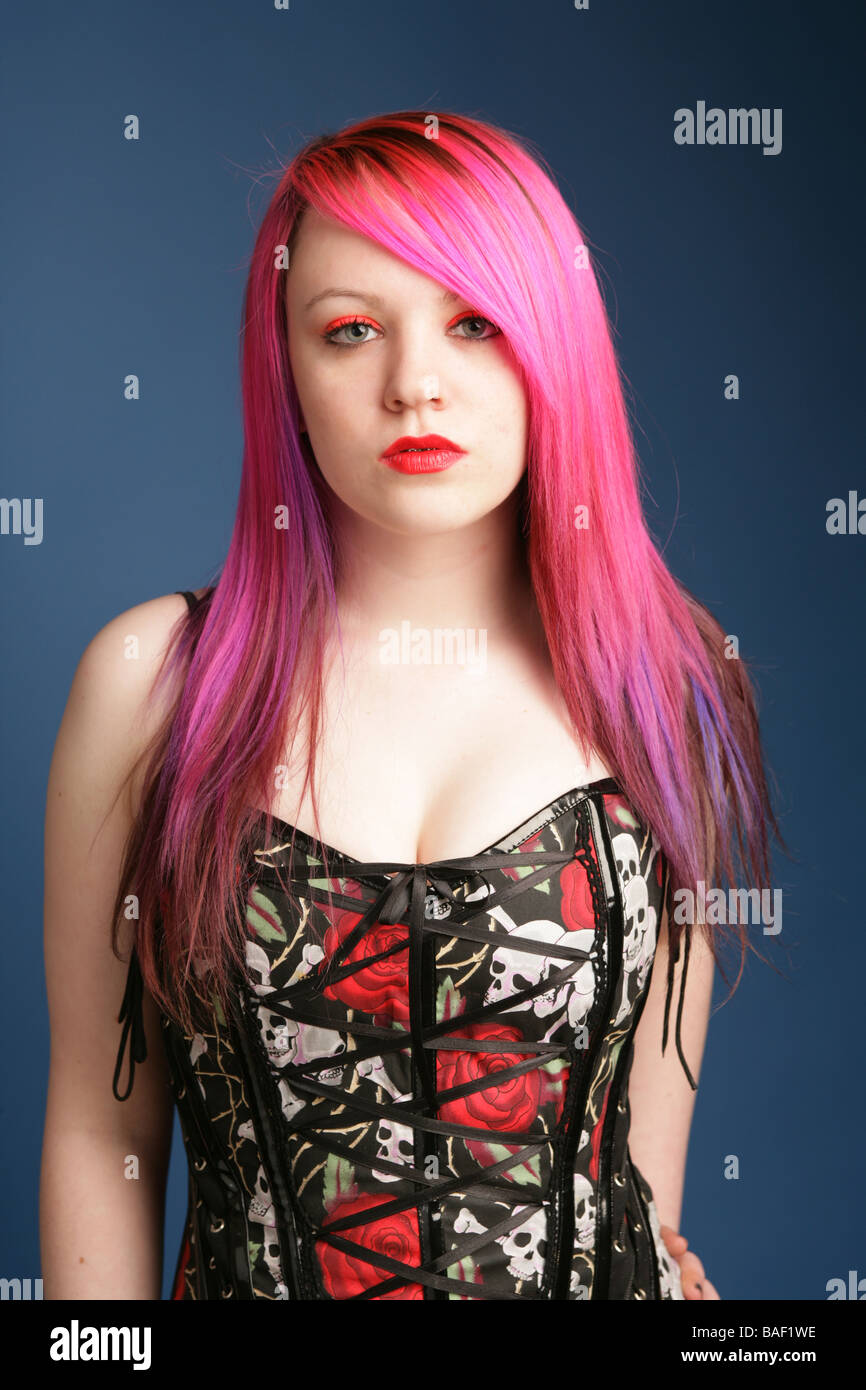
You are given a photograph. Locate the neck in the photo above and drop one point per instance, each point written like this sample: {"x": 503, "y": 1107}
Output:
{"x": 472, "y": 577}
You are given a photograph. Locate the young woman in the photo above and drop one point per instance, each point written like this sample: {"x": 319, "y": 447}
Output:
{"x": 406, "y": 1066}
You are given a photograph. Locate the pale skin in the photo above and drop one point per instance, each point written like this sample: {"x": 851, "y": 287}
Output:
{"x": 416, "y": 763}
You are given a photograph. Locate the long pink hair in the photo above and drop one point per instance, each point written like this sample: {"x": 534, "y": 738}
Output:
{"x": 640, "y": 662}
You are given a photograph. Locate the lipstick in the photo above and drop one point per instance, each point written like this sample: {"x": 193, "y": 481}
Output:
{"x": 428, "y": 453}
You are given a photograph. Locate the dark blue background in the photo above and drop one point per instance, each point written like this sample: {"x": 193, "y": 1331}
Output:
{"x": 130, "y": 257}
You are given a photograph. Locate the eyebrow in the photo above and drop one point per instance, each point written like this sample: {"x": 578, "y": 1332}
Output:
{"x": 449, "y": 297}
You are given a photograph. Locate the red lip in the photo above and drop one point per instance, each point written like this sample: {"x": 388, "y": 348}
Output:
{"x": 423, "y": 441}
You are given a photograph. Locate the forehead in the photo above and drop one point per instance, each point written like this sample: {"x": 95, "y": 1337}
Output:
{"x": 317, "y": 237}
{"x": 326, "y": 254}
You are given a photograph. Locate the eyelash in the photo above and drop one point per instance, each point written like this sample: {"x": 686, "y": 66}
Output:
{"x": 330, "y": 339}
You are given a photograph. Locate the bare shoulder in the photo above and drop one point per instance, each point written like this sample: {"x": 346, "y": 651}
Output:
{"x": 91, "y": 803}
{"x": 119, "y": 663}
{"x": 109, "y": 718}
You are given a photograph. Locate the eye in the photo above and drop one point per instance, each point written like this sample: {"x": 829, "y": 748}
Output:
{"x": 347, "y": 324}
{"x": 477, "y": 318}
{"x": 330, "y": 334}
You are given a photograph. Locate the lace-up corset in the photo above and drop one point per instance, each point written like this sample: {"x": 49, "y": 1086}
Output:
{"x": 422, "y": 1090}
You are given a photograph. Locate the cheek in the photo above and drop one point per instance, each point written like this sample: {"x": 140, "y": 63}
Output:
{"x": 509, "y": 419}
{"x": 509, "y": 404}
{"x": 335, "y": 429}
{"x": 314, "y": 373}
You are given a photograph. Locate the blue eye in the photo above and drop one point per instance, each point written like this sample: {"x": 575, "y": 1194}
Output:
{"x": 330, "y": 334}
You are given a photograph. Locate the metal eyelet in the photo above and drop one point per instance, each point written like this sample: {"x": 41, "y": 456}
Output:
{"x": 637, "y": 1226}
{"x": 211, "y": 1264}
{"x": 166, "y": 1022}
{"x": 619, "y": 1179}
{"x": 226, "y": 1291}
{"x": 639, "y": 1293}
{"x": 622, "y": 1109}
{"x": 216, "y": 1226}
{"x": 619, "y": 1247}
{"x": 181, "y": 1093}
{"x": 199, "y": 1164}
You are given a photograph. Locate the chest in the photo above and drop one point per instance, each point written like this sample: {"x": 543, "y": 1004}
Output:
{"x": 418, "y": 762}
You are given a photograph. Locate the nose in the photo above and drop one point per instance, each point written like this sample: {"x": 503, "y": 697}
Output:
{"x": 413, "y": 378}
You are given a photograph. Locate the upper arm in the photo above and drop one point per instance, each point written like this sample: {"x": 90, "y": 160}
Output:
{"x": 88, "y": 817}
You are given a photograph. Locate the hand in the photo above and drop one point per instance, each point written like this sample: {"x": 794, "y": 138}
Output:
{"x": 694, "y": 1281}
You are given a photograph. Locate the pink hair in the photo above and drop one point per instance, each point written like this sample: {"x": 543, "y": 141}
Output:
{"x": 639, "y": 660}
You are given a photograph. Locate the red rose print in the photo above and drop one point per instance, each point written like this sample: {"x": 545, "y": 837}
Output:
{"x": 578, "y": 913}
{"x": 351, "y": 888}
{"x": 512, "y": 1105}
{"x": 524, "y": 847}
{"x": 381, "y": 988}
{"x": 620, "y": 812}
{"x": 396, "y": 1236}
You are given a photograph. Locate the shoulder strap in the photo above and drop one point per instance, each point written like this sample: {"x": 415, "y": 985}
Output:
{"x": 191, "y": 600}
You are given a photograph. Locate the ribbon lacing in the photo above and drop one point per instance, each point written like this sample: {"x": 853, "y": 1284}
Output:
{"x": 407, "y": 891}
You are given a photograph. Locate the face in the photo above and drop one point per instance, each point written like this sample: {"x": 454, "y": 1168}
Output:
{"x": 392, "y": 355}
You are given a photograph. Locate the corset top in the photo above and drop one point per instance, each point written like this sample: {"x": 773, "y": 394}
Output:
{"x": 417, "y": 1094}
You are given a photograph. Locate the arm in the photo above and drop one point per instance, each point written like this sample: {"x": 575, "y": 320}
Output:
{"x": 658, "y": 1088}
{"x": 100, "y": 1230}
{"x": 660, "y": 1097}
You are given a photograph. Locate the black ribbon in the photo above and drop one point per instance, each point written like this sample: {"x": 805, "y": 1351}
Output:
{"x": 133, "y": 1026}
{"x": 673, "y": 957}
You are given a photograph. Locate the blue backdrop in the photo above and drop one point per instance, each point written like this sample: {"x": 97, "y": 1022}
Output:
{"x": 128, "y": 256}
